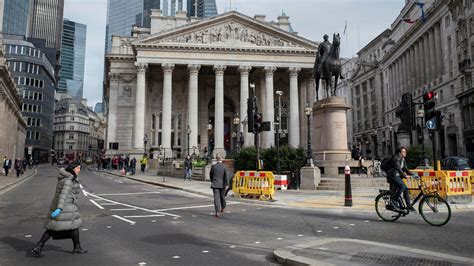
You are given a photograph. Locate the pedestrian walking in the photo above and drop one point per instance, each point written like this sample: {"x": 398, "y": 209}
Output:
{"x": 7, "y": 164}
{"x": 133, "y": 165}
{"x": 63, "y": 219}
{"x": 188, "y": 168}
{"x": 25, "y": 163}
{"x": 219, "y": 184}
{"x": 143, "y": 163}
{"x": 18, "y": 166}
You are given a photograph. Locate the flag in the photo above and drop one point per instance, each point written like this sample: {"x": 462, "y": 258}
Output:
{"x": 422, "y": 17}
{"x": 409, "y": 20}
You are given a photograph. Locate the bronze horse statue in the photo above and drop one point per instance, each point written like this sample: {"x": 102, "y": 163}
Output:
{"x": 329, "y": 66}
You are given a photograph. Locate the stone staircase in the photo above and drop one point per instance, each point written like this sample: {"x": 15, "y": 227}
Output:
{"x": 357, "y": 184}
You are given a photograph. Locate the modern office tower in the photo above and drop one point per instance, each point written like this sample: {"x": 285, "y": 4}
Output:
{"x": 202, "y": 8}
{"x": 123, "y": 14}
{"x": 99, "y": 107}
{"x": 33, "y": 72}
{"x": 73, "y": 54}
{"x": 46, "y": 21}
{"x": 15, "y": 16}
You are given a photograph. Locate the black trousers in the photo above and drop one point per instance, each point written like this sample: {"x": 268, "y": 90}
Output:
{"x": 397, "y": 182}
{"x": 219, "y": 199}
{"x": 74, "y": 234}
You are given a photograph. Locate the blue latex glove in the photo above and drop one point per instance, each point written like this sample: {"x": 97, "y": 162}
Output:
{"x": 56, "y": 213}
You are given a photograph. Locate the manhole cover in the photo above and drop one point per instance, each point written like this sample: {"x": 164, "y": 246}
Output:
{"x": 387, "y": 259}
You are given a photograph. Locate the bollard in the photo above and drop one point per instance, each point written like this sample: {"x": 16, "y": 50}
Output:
{"x": 348, "y": 189}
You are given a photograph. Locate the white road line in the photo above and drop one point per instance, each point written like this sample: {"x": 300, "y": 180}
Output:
{"x": 131, "y": 206}
{"x": 80, "y": 185}
{"x": 109, "y": 203}
{"x": 118, "y": 181}
{"x": 145, "y": 216}
{"x": 85, "y": 193}
{"x": 129, "y": 209}
{"x": 193, "y": 207}
{"x": 123, "y": 219}
{"x": 126, "y": 194}
{"x": 96, "y": 204}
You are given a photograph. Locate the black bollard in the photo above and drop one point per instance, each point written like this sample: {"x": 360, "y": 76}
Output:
{"x": 348, "y": 189}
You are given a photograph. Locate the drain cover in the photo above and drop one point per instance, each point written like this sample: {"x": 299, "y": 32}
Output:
{"x": 387, "y": 259}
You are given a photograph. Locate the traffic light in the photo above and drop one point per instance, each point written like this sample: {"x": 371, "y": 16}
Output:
{"x": 251, "y": 109}
{"x": 429, "y": 105}
{"x": 258, "y": 122}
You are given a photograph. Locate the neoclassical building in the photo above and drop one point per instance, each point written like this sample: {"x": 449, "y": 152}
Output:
{"x": 187, "y": 79}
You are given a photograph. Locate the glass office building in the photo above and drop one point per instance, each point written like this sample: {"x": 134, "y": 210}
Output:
{"x": 15, "y": 17}
{"x": 204, "y": 8}
{"x": 73, "y": 55}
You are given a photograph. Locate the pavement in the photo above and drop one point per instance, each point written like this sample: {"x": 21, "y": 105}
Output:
{"x": 11, "y": 181}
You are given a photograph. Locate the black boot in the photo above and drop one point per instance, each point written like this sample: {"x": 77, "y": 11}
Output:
{"x": 36, "y": 251}
{"x": 78, "y": 249}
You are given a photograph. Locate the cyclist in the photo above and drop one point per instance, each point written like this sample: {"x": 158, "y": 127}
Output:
{"x": 398, "y": 171}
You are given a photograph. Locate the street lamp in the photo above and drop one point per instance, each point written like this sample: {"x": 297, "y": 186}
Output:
{"x": 188, "y": 131}
{"x": 309, "y": 156}
{"x": 209, "y": 130}
{"x": 390, "y": 129}
{"x": 145, "y": 140}
{"x": 236, "y": 123}
{"x": 279, "y": 93}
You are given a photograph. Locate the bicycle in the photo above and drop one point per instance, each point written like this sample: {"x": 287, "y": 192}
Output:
{"x": 432, "y": 208}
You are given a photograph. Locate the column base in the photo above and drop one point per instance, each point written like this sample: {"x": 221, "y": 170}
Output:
{"x": 220, "y": 151}
{"x": 310, "y": 177}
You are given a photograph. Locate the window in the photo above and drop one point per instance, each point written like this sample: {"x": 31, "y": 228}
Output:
{"x": 447, "y": 21}
{"x": 71, "y": 127}
{"x": 71, "y": 136}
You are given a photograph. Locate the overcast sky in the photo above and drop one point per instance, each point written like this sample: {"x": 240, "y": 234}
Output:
{"x": 310, "y": 18}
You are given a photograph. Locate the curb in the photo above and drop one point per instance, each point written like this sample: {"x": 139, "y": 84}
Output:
{"x": 18, "y": 182}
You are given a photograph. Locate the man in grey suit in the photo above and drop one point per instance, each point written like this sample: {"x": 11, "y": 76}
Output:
{"x": 219, "y": 183}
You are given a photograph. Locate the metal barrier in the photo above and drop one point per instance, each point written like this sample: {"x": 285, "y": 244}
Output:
{"x": 259, "y": 183}
{"x": 454, "y": 186}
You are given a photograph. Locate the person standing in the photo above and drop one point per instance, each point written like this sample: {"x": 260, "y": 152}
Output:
{"x": 18, "y": 166}
{"x": 133, "y": 165}
{"x": 7, "y": 163}
{"x": 64, "y": 219}
{"x": 188, "y": 168}
{"x": 219, "y": 184}
{"x": 25, "y": 163}
{"x": 143, "y": 162}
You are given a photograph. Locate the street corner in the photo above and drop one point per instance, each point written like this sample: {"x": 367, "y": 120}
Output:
{"x": 334, "y": 251}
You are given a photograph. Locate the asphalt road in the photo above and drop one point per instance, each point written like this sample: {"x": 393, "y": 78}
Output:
{"x": 128, "y": 223}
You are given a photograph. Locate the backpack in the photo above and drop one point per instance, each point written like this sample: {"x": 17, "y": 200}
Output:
{"x": 387, "y": 163}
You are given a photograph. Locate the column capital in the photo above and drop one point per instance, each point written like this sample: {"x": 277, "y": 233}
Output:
{"x": 269, "y": 70}
{"x": 294, "y": 71}
{"x": 167, "y": 68}
{"x": 219, "y": 69}
{"x": 194, "y": 68}
{"x": 141, "y": 66}
{"x": 244, "y": 70}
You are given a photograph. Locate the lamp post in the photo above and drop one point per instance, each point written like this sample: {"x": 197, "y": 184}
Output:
{"x": 279, "y": 93}
{"x": 390, "y": 129}
{"x": 309, "y": 155}
{"x": 145, "y": 140}
{"x": 236, "y": 123}
{"x": 376, "y": 152}
{"x": 209, "y": 130}
{"x": 188, "y": 131}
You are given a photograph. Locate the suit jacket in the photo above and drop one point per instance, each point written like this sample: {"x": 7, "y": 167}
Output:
{"x": 218, "y": 175}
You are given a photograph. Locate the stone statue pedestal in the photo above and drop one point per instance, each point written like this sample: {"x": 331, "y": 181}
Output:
{"x": 330, "y": 149}
{"x": 310, "y": 177}
{"x": 403, "y": 139}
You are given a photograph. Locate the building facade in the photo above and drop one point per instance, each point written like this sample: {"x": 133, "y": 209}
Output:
{"x": 202, "y": 8}
{"x": 15, "y": 16}
{"x": 46, "y": 21}
{"x": 12, "y": 123}
{"x": 33, "y": 72}
{"x": 73, "y": 56}
{"x": 344, "y": 89}
{"x": 197, "y": 76}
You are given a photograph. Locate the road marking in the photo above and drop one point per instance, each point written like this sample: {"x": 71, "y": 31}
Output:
{"x": 118, "y": 181}
{"x": 319, "y": 231}
{"x": 335, "y": 227}
{"x": 123, "y": 219}
{"x": 232, "y": 246}
{"x": 141, "y": 263}
{"x": 129, "y": 209}
{"x": 108, "y": 226}
{"x": 80, "y": 185}
{"x": 257, "y": 242}
{"x": 153, "y": 221}
{"x": 351, "y": 224}
{"x": 84, "y": 229}
{"x": 192, "y": 207}
{"x": 176, "y": 257}
{"x": 108, "y": 203}
{"x": 205, "y": 251}
{"x": 28, "y": 236}
{"x": 367, "y": 221}
{"x": 84, "y": 192}
{"x": 279, "y": 238}
{"x": 96, "y": 204}
{"x": 145, "y": 216}
{"x": 126, "y": 194}
{"x": 300, "y": 235}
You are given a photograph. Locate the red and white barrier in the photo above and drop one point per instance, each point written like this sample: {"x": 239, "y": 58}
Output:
{"x": 281, "y": 182}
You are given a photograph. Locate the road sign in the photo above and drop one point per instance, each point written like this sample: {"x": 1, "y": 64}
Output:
{"x": 431, "y": 124}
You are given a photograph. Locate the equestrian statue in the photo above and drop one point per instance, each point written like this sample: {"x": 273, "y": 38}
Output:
{"x": 328, "y": 64}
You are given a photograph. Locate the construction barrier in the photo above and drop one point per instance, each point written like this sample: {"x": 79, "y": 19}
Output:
{"x": 258, "y": 183}
{"x": 281, "y": 182}
{"x": 454, "y": 186}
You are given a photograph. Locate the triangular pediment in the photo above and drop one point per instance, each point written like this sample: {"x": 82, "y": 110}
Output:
{"x": 231, "y": 29}
{"x": 362, "y": 68}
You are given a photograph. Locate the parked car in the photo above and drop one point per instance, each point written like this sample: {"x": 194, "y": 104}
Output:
{"x": 89, "y": 160}
{"x": 455, "y": 163}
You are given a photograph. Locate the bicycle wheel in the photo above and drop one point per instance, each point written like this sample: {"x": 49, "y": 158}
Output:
{"x": 383, "y": 207}
{"x": 435, "y": 210}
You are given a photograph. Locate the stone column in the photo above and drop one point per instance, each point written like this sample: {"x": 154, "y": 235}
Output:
{"x": 219, "y": 112}
{"x": 421, "y": 57}
{"x": 433, "y": 67}
{"x": 439, "y": 50}
{"x": 244, "y": 95}
{"x": 140, "y": 103}
{"x": 269, "y": 113}
{"x": 426, "y": 53}
{"x": 404, "y": 73}
{"x": 294, "y": 134}
{"x": 112, "y": 114}
{"x": 193, "y": 109}
{"x": 302, "y": 105}
{"x": 417, "y": 65}
{"x": 167, "y": 107}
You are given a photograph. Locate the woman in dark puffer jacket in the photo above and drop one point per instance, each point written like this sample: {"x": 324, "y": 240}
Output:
{"x": 64, "y": 219}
